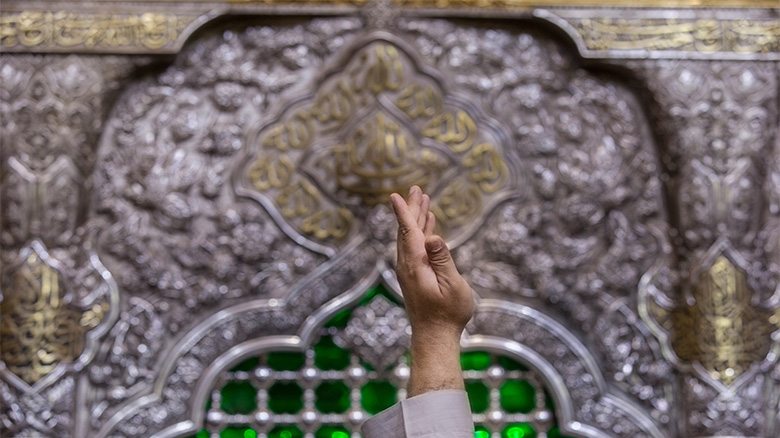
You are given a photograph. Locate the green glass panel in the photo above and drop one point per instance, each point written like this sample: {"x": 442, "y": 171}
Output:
{"x": 511, "y": 364}
{"x": 341, "y": 319}
{"x": 239, "y": 398}
{"x": 332, "y": 432}
{"x": 285, "y": 432}
{"x": 366, "y": 365}
{"x": 203, "y": 433}
{"x": 286, "y": 361}
{"x": 329, "y": 356}
{"x": 479, "y": 396}
{"x": 379, "y": 289}
{"x": 238, "y": 432}
{"x": 332, "y": 397}
{"x": 521, "y": 430}
{"x": 208, "y": 404}
{"x": 481, "y": 432}
{"x": 377, "y": 396}
{"x": 548, "y": 402}
{"x": 518, "y": 396}
{"x": 285, "y": 398}
{"x": 247, "y": 364}
{"x": 475, "y": 360}
{"x": 555, "y": 432}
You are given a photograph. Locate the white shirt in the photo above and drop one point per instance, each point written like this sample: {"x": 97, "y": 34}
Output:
{"x": 436, "y": 414}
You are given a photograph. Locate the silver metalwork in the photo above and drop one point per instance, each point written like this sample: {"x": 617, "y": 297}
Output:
{"x": 628, "y": 185}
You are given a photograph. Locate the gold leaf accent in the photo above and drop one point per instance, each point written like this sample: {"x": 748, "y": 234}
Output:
{"x": 299, "y": 199}
{"x": 38, "y": 330}
{"x": 458, "y": 130}
{"x": 266, "y": 173}
{"x": 67, "y": 29}
{"x": 723, "y": 331}
{"x": 687, "y": 35}
{"x": 325, "y": 224}
{"x": 486, "y": 167}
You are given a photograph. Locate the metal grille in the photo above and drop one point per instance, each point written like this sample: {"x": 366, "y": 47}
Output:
{"x": 327, "y": 391}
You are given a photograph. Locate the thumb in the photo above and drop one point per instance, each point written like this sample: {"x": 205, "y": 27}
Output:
{"x": 440, "y": 259}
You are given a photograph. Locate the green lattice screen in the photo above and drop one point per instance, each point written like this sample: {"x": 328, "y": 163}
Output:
{"x": 328, "y": 391}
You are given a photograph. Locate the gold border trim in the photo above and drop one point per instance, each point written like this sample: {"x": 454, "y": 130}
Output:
{"x": 630, "y": 4}
{"x": 164, "y": 32}
{"x": 66, "y": 30}
{"x": 706, "y": 36}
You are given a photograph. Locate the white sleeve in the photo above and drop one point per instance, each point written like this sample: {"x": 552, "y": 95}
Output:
{"x": 436, "y": 414}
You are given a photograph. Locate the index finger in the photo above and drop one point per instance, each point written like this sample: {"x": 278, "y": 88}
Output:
{"x": 402, "y": 212}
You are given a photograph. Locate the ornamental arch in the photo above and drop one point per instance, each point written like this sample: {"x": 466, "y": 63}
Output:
{"x": 231, "y": 203}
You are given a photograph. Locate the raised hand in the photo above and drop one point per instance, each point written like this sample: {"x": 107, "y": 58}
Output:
{"x": 438, "y": 299}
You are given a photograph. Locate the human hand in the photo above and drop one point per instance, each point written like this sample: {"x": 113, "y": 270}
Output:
{"x": 438, "y": 299}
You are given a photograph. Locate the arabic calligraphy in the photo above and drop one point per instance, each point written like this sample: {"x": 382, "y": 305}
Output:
{"x": 38, "y": 329}
{"x": 160, "y": 32}
{"x": 616, "y": 3}
{"x": 70, "y": 30}
{"x": 723, "y": 331}
{"x": 456, "y": 130}
{"x": 379, "y": 158}
{"x": 376, "y": 127}
{"x": 266, "y": 172}
{"x": 702, "y": 35}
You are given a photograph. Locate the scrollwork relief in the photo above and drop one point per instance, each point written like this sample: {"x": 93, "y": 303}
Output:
{"x": 579, "y": 238}
{"x": 716, "y": 126}
{"x": 176, "y": 233}
{"x": 248, "y": 178}
{"x": 58, "y": 299}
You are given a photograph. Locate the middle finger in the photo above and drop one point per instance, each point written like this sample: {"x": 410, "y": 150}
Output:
{"x": 413, "y": 201}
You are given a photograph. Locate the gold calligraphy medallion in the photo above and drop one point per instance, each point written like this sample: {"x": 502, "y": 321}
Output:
{"x": 722, "y": 330}
{"x": 377, "y": 124}
{"x": 42, "y": 324}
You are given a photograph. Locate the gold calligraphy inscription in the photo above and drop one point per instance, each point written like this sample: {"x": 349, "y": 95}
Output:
{"x": 375, "y": 127}
{"x": 702, "y": 36}
{"x": 458, "y": 202}
{"x": 510, "y": 3}
{"x": 418, "y": 101}
{"x": 302, "y": 200}
{"x": 379, "y": 157}
{"x": 72, "y": 30}
{"x": 723, "y": 331}
{"x": 617, "y": 3}
{"x": 486, "y": 167}
{"x": 38, "y": 329}
{"x": 457, "y": 130}
{"x": 325, "y": 224}
{"x": 266, "y": 172}
{"x": 299, "y": 199}
{"x": 294, "y": 134}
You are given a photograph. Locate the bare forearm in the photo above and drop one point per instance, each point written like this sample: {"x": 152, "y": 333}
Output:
{"x": 438, "y": 299}
{"x": 435, "y": 363}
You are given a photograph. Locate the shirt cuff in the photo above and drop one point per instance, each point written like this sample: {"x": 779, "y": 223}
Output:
{"x": 436, "y": 414}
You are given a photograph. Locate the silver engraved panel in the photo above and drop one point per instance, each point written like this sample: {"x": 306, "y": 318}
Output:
{"x": 125, "y": 179}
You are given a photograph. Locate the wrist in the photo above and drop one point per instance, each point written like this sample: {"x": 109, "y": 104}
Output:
{"x": 436, "y": 332}
{"x": 434, "y": 349}
{"x": 435, "y": 360}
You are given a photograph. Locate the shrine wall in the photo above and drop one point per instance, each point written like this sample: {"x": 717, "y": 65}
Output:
{"x": 196, "y": 237}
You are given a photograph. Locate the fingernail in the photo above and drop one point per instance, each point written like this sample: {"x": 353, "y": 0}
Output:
{"x": 393, "y": 199}
{"x": 434, "y": 245}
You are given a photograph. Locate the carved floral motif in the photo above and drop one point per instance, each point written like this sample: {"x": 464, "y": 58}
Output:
{"x": 605, "y": 204}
